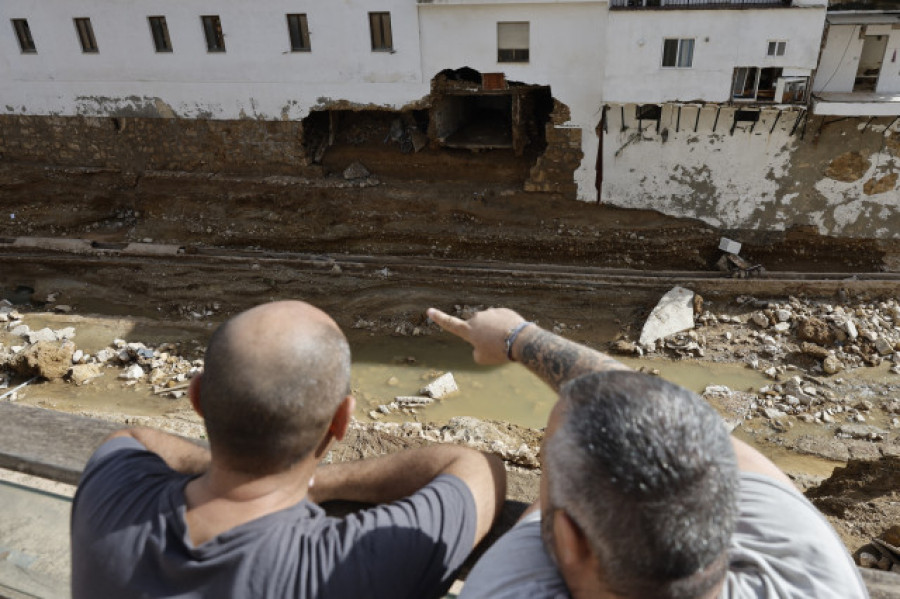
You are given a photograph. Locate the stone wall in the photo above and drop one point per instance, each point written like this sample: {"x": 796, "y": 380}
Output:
{"x": 553, "y": 171}
{"x": 136, "y": 145}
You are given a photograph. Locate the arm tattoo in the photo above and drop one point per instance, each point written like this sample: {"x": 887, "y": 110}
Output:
{"x": 556, "y": 360}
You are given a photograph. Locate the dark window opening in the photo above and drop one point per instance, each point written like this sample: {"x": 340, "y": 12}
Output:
{"x": 380, "y": 30}
{"x": 86, "y": 35}
{"x": 23, "y": 33}
{"x": 298, "y": 28}
{"x": 746, "y": 116}
{"x": 648, "y": 112}
{"x": 513, "y": 42}
{"x": 212, "y": 29}
{"x": 160, "y": 32}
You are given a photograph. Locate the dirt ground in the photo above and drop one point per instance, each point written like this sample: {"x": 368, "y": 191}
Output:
{"x": 375, "y": 251}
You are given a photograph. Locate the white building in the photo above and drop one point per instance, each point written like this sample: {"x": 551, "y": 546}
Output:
{"x": 696, "y": 108}
{"x": 859, "y": 72}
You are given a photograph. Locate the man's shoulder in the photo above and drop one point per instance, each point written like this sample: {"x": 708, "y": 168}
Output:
{"x": 782, "y": 543}
{"x": 517, "y": 565}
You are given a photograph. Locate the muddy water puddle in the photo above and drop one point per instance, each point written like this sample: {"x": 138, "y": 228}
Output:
{"x": 384, "y": 367}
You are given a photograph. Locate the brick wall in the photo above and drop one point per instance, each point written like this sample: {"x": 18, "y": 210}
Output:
{"x": 144, "y": 144}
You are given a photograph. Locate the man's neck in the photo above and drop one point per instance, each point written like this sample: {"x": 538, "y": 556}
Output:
{"x": 222, "y": 499}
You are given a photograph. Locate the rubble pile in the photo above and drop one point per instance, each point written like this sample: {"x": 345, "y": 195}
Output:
{"x": 51, "y": 354}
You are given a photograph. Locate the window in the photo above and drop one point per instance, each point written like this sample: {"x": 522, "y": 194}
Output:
{"x": 212, "y": 28}
{"x": 776, "y": 48}
{"x": 752, "y": 83}
{"x": 160, "y": 32}
{"x": 299, "y": 32}
{"x": 678, "y": 53}
{"x": 23, "y": 32}
{"x": 512, "y": 42}
{"x": 86, "y": 35}
{"x": 380, "y": 28}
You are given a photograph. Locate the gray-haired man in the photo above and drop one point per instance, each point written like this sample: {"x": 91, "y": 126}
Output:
{"x": 644, "y": 494}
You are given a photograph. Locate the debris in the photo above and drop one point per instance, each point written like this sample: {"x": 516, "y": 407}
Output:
{"x": 356, "y": 170}
{"x": 729, "y": 246}
{"x": 133, "y": 372}
{"x": 82, "y": 374}
{"x": 48, "y": 359}
{"x": 674, "y": 313}
{"x": 413, "y": 401}
{"x": 441, "y": 387}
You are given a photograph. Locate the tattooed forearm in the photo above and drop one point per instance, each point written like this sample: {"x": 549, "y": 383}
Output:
{"x": 556, "y": 360}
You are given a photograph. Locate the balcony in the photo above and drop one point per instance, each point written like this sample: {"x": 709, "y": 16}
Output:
{"x": 701, "y": 4}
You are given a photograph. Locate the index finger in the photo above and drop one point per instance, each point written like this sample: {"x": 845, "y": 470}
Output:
{"x": 451, "y": 324}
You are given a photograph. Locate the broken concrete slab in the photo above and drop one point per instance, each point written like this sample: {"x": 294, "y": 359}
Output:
{"x": 413, "y": 401}
{"x": 674, "y": 313}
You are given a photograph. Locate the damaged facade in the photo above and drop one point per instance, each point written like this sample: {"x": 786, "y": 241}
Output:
{"x": 747, "y": 114}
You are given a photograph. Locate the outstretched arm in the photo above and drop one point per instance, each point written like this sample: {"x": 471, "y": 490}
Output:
{"x": 557, "y": 360}
{"x": 180, "y": 454}
{"x": 551, "y": 357}
{"x": 391, "y": 477}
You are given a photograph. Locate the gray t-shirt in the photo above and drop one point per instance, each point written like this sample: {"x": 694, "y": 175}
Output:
{"x": 129, "y": 539}
{"x": 782, "y": 547}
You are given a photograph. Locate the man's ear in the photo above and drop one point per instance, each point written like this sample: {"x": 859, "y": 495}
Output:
{"x": 194, "y": 393}
{"x": 341, "y": 419}
{"x": 573, "y": 552}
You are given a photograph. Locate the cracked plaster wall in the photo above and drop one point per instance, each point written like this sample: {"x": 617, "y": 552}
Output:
{"x": 759, "y": 180}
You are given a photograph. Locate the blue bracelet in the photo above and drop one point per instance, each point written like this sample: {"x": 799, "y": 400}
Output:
{"x": 511, "y": 338}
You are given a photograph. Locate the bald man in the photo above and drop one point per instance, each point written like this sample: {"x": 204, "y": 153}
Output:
{"x": 157, "y": 516}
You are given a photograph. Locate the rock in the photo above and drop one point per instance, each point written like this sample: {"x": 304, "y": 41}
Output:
{"x": 783, "y": 315}
{"x": 133, "y": 373}
{"x": 77, "y": 357}
{"x": 673, "y": 313}
{"x": 698, "y": 304}
{"x": 867, "y": 560}
{"x": 774, "y": 414}
{"x": 44, "y": 334}
{"x": 393, "y": 381}
{"x": 105, "y": 355}
{"x": 862, "y": 431}
{"x": 771, "y": 372}
{"x": 832, "y": 365}
{"x": 48, "y": 359}
{"x": 782, "y": 327}
{"x": 815, "y": 330}
{"x": 883, "y": 346}
{"x": 356, "y": 171}
{"x": 717, "y": 390}
{"x": 849, "y": 327}
{"x": 816, "y": 351}
{"x": 625, "y": 347}
{"x": 374, "y": 415}
{"x": 62, "y": 308}
{"x": 20, "y": 330}
{"x": 760, "y": 319}
{"x": 66, "y": 333}
{"x": 81, "y": 374}
{"x": 440, "y": 387}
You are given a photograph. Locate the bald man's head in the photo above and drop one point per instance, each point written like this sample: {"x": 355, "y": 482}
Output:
{"x": 273, "y": 378}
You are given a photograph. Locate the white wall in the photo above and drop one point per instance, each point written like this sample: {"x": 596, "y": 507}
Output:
{"x": 566, "y": 50}
{"x": 840, "y": 59}
{"x": 257, "y": 76}
{"x": 724, "y": 39}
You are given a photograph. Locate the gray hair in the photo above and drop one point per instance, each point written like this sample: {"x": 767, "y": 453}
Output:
{"x": 647, "y": 471}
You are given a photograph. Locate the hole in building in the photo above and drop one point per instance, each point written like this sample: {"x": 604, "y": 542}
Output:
{"x": 473, "y": 126}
